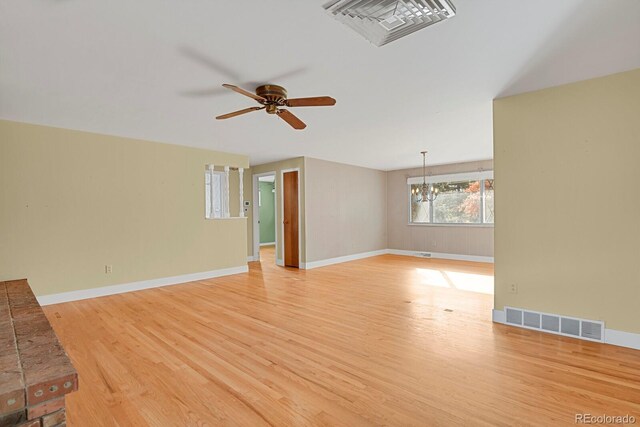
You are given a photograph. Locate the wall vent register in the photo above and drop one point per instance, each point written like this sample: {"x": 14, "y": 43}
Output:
{"x": 383, "y": 21}
{"x": 591, "y": 330}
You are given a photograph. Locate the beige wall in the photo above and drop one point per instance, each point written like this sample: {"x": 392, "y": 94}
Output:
{"x": 72, "y": 202}
{"x": 346, "y": 210}
{"x": 278, "y": 167}
{"x": 450, "y": 239}
{"x": 567, "y": 230}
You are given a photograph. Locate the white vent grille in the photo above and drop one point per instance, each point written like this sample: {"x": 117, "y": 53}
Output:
{"x": 514, "y": 316}
{"x": 570, "y": 327}
{"x": 383, "y": 21}
{"x": 550, "y": 323}
{"x": 392, "y": 22}
{"x": 531, "y": 320}
{"x": 591, "y": 330}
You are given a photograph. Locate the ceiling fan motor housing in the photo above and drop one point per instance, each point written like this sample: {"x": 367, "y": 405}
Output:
{"x": 275, "y": 96}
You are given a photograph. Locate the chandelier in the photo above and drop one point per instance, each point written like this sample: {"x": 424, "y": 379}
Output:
{"x": 427, "y": 192}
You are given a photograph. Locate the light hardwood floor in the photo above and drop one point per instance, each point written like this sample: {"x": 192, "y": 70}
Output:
{"x": 370, "y": 342}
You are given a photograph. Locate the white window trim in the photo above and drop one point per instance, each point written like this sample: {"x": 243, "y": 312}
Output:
{"x": 225, "y": 193}
{"x": 435, "y": 179}
{"x": 451, "y": 224}
{"x": 241, "y": 192}
{"x": 453, "y": 177}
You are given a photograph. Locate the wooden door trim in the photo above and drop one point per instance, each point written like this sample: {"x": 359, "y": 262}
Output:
{"x": 281, "y": 193}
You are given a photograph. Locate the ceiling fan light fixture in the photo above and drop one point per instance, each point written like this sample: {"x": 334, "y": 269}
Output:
{"x": 383, "y": 21}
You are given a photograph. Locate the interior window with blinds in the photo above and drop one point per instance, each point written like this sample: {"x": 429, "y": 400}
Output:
{"x": 461, "y": 199}
{"x": 214, "y": 194}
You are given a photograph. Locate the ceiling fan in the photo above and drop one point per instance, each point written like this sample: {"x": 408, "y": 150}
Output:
{"x": 273, "y": 98}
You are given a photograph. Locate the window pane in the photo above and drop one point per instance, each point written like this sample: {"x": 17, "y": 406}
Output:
{"x": 214, "y": 207}
{"x": 457, "y": 202}
{"x": 217, "y": 195}
{"x": 419, "y": 210}
{"x": 207, "y": 194}
{"x": 488, "y": 201}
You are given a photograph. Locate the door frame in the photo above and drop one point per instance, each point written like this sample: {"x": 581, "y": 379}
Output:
{"x": 256, "y": 211}
{"x": 281, "y": 193}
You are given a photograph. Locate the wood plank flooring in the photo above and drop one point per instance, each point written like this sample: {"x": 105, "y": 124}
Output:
{"x": 388, "y": 340}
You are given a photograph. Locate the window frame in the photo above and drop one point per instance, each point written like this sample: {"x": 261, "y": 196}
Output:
{"x": 224, "y": 194}
{"x": 481, "y": 176}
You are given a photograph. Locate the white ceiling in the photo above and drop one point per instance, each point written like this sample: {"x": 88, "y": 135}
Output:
{"x": 130, "y": 68}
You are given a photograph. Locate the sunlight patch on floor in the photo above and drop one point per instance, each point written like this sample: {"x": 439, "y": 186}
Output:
{"x": 470, "y": 282}
{"x": 432, "y": 277}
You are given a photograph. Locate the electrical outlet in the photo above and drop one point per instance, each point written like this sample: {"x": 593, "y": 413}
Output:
{"x": 513, "y": 288}
{"x": 108, "y": 269}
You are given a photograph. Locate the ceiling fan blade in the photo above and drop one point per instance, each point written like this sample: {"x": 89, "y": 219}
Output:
{"x": 200, "y": 93}
{"x": 318, "y": 101}
{"x": 290, "y": 118}
{"x": 239, "y": 112}
{"x": 244, "y": 92}
{"x": 286, "y": 75}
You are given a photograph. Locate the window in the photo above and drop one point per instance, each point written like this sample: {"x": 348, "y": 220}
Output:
{"x": 462, "y": 199}
{"x": 215, "y": 200}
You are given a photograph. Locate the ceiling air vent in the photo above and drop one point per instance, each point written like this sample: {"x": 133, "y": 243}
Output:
{"x": 392, "y": 22}
{"x": 383, "y": 21}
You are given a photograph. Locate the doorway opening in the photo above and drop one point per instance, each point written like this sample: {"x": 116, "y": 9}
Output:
{"x": 267, "y": 215}
{"x": 276, "y": 217}
{"x": 265, "y": 238}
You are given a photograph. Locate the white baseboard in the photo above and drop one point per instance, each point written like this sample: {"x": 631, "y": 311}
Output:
{"x": 136, "y": 286}
{"x": 499, "y": 316}
{"x": 622, "y": 339}
{"x": 441, "y": 255}
{"x": 252, "y": 258}
{"x": 347, "y": 258}
{"x": 268, "y": 244}
{"x": 611, "y": 336}
{"x": 338, "y": 260}
{"x": 280, "y": 262}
